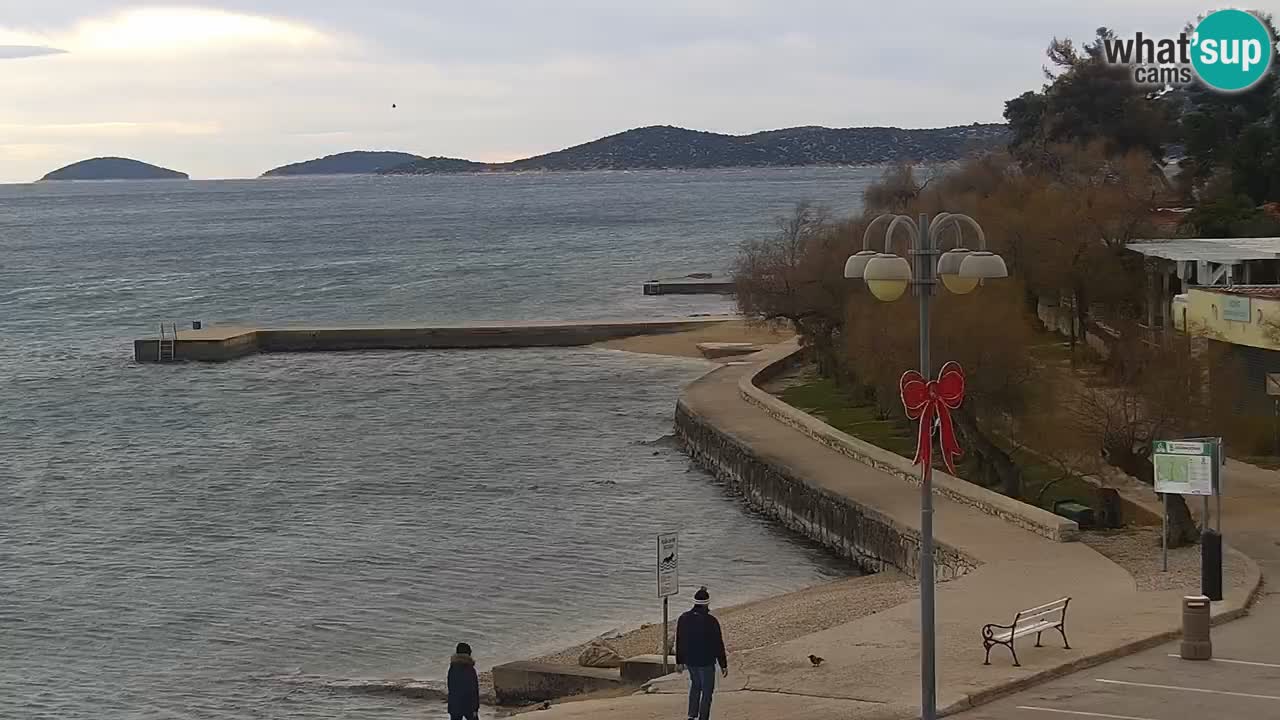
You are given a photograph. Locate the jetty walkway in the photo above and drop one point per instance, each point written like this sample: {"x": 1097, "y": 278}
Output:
{"x": 1010, "y": 558}
{"x": 223, "y": 343}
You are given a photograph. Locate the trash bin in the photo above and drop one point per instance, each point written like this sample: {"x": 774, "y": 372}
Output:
{"x": 1112, "y": 510}
{"x": 1073, "y": 510}
{"x": 1196, "y": 644}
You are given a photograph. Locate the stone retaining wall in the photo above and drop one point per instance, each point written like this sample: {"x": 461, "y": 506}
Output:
{"x": 1029, "y": 517}
{"x": 851, "y": 530}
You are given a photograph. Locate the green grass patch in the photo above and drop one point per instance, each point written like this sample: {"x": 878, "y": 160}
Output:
{"x": 822, "y": 398}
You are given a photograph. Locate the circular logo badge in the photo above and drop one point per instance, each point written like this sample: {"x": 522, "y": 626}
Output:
{"x": 1232, "y": 51}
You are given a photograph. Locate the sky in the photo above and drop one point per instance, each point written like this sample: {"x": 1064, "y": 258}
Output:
{"x": 232, "y": 88}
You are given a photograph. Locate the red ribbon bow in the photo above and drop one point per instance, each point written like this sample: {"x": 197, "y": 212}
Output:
{"x": 927, "y": 400}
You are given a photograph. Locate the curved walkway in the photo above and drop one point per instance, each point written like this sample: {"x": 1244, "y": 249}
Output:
{"x": 872, "y": 664}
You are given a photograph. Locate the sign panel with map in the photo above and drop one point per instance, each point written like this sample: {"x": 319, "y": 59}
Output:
{"x": 1184, "y": 467}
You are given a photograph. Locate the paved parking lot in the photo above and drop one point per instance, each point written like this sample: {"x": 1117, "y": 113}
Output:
{"x": 1241, "y": 683}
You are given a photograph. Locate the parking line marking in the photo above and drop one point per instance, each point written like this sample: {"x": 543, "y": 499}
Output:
{"x": 1189, "y": 689}
{"x": 1081, "y": 713}
{"x": 1235, "y": 662}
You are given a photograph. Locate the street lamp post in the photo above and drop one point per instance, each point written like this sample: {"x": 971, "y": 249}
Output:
{"x": 888, "y": 276}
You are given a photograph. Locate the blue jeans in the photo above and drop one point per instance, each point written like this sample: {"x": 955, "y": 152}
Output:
{"x": 702, "y": 682}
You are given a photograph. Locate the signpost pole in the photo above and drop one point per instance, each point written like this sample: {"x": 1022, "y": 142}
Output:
{"x": 666, "y": 639}
{"x": 1217, "y": 480}
{"x": 1164, "y": 534}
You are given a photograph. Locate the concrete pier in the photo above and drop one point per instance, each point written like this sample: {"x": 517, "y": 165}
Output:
{"x": 223, "y": 343}
{"x": 699, "y": 284}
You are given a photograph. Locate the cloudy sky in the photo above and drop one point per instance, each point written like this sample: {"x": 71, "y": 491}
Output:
{"x": 230, "y": 88}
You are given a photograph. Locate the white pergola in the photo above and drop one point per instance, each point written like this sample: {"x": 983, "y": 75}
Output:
{"x": 1211, "y": 261}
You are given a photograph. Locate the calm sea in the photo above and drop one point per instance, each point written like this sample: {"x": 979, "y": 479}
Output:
{"x": 229, "y": 541}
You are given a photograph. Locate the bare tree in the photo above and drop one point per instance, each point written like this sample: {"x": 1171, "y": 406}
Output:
{"x": 796, "y": 275}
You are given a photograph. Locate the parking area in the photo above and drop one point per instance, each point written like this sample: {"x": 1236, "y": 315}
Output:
{"x": 1242, "y": 682}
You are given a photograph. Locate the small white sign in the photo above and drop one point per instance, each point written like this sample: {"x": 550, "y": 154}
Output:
{"x": 1183, "y": 447}
{"x": 668, "y": 564}
{"x": 1235, "y": 308}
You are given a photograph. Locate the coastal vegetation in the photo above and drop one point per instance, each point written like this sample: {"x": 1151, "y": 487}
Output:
{"x": 1091, "y": 159}
{"x": 113, "y": 168}
{"x": 357, "y": 162}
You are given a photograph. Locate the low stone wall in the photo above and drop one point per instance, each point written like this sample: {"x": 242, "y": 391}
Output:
{"x": 1037, "y": 520}
{"x": 849, "y": 529}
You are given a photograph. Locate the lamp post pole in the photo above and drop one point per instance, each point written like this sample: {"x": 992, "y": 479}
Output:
{"x": 924, "y": 282}
{"x": 887, "y": 276}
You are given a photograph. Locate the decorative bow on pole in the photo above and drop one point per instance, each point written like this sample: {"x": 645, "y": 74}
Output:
{"x": 933, "y": 400}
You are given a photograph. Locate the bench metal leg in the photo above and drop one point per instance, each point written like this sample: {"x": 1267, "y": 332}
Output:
{"x": 1063, "y": 632}
{"x": 1038, "y": 640}
{"x": 1009, "y": 645}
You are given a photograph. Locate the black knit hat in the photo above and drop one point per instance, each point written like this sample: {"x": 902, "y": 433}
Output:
{"x": 463, "y": 649}
{"x": 702, "y": 597}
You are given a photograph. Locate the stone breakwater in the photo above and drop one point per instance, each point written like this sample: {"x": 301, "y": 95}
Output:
{"x": 224, "y": 343}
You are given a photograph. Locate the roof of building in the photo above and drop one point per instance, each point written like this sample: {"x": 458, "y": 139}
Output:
{"x": 1270, "y": 292}
{"x": 1214, "y": 250}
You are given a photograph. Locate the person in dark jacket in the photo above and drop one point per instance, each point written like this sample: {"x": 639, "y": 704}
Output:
{"x": 464, "y": 685}
{"x": 699, "y": 646}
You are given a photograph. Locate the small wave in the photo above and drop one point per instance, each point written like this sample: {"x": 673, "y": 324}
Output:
{"x": 404, "y": 687}
{"x": 421, "y": 689}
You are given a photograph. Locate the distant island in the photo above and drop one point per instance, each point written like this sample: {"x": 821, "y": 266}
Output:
{"x": 665, "y": 147}
{"x": 358, "y": 162}
{"x": 113, "y": 168}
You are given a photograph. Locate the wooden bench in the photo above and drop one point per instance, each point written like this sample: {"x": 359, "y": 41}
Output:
{"x": 1050, "y": 616}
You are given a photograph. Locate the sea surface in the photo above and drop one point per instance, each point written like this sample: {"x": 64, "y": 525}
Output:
{"x": 239, "y": 540}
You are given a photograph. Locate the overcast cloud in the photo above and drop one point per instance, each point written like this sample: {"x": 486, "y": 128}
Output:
{"x": 230, "y": 88}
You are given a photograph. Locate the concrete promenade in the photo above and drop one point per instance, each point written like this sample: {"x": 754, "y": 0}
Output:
{"x": 872, "y": 664}
{"x": 222, "y": 343}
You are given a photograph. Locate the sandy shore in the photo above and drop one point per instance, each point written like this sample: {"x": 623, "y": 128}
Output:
{"x": 685, "y": 343}
{"x": 773, "y": 619}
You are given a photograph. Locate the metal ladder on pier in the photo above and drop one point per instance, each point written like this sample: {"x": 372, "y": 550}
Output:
{"x": 167, "y": 347}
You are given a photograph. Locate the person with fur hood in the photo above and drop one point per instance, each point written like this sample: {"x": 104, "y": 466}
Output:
{"x": 464, "y": 685}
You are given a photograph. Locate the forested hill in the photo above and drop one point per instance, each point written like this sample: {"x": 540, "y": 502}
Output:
{"x": 113, "y": 168}
{"x": 667, "y": 147}
{"x": 356, "y": 162}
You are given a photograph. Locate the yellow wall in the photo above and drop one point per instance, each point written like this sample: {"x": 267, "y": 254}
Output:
{"x": 1205, "y": 316}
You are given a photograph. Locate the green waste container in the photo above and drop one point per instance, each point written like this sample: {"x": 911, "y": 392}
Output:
{"x": 1073, "y": 510}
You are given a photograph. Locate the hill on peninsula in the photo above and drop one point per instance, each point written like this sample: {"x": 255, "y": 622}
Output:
{"x": 113, "y": 168}
{"x": 667, "y": 147}
{"x": 356, "y": 162}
